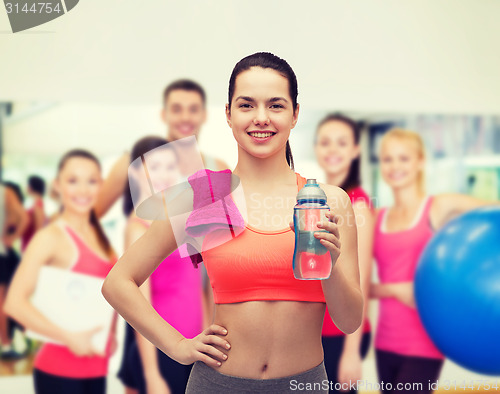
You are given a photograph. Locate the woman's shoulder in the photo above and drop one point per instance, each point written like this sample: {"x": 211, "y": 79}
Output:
{"x": 134, "y": 221}
{"x": 49, "y": 239}
{"x": 337, "y": 198}
{"x": 135, "y": 227}
{"x": 53, "y": 230}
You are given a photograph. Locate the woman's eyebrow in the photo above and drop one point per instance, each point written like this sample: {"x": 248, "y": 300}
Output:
{"x": 246, "y": 98}
{"x": 274, "y": 99}
{"x": 271, "y": 100}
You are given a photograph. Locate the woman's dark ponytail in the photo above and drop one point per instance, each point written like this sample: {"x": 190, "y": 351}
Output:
{"x": 101, "y": 235}
{"x": 289, "y": 157}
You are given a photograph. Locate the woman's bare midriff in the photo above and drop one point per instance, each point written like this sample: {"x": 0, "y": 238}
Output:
{"x": 271, "y": 339}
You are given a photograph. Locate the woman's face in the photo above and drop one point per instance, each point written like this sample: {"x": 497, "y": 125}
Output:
{"x": 400, "y": 162}
{"x": 78, "y": 184}
{"x": 335, "y": 147}
{"x": 261, "y": 114}
{"x": 162, "y": 169}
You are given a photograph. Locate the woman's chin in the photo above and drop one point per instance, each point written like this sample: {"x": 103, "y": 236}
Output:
{"x": 80, "y": 209}
{"x": 401, "y": 184}
{"x": 334, "y": 170}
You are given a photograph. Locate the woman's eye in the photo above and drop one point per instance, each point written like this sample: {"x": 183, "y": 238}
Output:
{"x": 277, "y": 106}
{"x": 245, "y": 105}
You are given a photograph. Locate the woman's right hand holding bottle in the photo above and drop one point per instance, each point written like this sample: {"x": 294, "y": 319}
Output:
{"x": 201, "y": 347}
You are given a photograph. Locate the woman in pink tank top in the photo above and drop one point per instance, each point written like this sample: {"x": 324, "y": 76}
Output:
{"x": 74, "y": 242}
{"x": 405, "y": 353}
{"x": 337, "y": 151}
{"x": 174, "y": 289}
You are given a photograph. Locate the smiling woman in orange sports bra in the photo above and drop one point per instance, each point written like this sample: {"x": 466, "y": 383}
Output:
{"x": 266, "y": 334}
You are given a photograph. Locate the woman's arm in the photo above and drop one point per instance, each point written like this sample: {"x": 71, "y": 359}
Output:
{"x": 342, "y": 289}
{"x": 40, "y": 252}
{"x": 113, "y": 185}
{"x": 147, "y": 351}
{"x": 350, "y": 362}
{"x": 121, "y": 290}
{"x": 402, "y": 291}
{"x": 38, "y": 217}
{"x": 448, "y": 206}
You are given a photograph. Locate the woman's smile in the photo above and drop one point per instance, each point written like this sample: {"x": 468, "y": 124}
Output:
{"x": 261, "y": 136}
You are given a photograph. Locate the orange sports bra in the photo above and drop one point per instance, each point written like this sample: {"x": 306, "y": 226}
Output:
{"x": 257, "y": 265}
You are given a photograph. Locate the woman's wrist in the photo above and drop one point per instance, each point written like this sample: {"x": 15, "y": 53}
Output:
{"x": 64, "y": 336}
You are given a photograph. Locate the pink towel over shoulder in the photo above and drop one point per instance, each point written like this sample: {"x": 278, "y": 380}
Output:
{"x": 213, "y": 207}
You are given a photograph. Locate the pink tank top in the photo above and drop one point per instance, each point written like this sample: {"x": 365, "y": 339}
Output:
{"x": 329, "y": 327}
{"x": 59, "y": 360}
{"x": 176, "y": 292}
{"x": 399, "y": 328}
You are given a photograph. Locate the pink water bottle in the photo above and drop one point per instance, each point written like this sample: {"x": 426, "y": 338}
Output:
{"x": 311, "y": 259}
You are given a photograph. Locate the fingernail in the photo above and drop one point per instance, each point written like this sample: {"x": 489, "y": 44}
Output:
{"x": 228, "y": 345}
{"x": 224, "y": 331}
{"x": 319, "y": 224}
{"x": 219, "y": 363}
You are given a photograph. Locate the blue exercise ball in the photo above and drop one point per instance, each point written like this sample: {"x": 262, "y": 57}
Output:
{"x": 457, "y": 290}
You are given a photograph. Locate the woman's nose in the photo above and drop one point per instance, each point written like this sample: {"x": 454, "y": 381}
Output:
{"x": 261, "y": 117}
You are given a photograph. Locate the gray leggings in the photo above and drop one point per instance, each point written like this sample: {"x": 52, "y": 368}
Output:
{"x": 206, "y": 380}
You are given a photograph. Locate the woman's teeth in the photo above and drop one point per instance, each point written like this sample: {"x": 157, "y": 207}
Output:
{"x": 397, "y": 175}
{"x": 261, "y": 135}
{"x": 332, "y": 160}
{"x": 82, "y": 201}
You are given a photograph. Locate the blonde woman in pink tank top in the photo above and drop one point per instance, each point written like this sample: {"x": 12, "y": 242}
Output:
{"x": 404, "y": 352}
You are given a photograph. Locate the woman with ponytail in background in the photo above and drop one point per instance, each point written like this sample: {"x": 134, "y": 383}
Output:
{"x": 338, "y": 153}
{"x": 76, "y": 242}
{"x": 174, "y": 289}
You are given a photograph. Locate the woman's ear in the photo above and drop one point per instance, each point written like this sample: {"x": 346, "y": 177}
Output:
{"x": 228, "y": 116}
{"x": 295, "y": 116}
